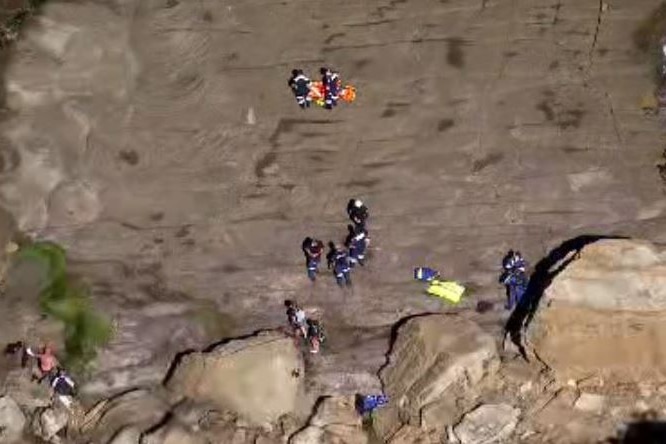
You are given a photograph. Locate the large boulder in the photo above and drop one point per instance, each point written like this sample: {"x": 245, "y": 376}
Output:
{"x": 604, "y": 314}
{"x": 48, "y": 422}
{"x": 431, "y": 356}
{"x": 334, "y": 422}
{"x": 258, "y": 378}
{"x": 12, "y": 421}
{"x": 136, "y": 409}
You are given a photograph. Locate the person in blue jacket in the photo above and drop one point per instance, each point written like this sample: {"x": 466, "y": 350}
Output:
{"x": 357, "y": 242}
{"x": 339, "y": 260}
{"x": 332, "y": 87}
{"x": 366, "y": 404}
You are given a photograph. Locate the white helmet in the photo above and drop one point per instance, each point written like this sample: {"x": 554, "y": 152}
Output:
{"x": 358, "y": 203}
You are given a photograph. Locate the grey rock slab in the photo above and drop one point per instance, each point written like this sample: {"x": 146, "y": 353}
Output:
{"x": 487, "y": 424}
{"x": 12, "y": 421}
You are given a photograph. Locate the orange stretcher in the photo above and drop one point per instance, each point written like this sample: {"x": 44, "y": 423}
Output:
{"x": 317, "y": 93}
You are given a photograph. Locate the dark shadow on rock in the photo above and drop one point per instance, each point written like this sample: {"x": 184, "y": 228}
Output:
{"x": 180, "y": 356}
{"x": 642, "y": 432}
{"x": 544, "y": 272}
{"x": 168, "y": 416}
{"x": 313, "y": 413}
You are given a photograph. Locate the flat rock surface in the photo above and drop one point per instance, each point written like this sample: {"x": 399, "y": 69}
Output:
{"x": 260, "y": 378}
{"x": 603, "y": 315}
{"x": 613, "y": 274}
{"x": 488, "y": 424}
{"x": 432, "y": 355}
{"x": 158, "y": 142}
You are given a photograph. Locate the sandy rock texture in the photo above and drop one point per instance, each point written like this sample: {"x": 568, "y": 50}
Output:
{"x": 603, "y": 315}
{"x": 157, "y": 141}
{"x": 335, "y": 421}
{"x": 260, "y": 378}
{"x": 432, "y": 356}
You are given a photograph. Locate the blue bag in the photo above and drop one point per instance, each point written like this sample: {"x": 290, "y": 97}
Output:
{"x": 425, "y": 274}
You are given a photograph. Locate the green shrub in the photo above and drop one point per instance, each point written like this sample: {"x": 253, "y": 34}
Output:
{"x": 647, "y": 38}
{"x": 67, "y": 299}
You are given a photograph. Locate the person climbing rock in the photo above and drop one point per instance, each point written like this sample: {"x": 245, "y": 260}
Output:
{"x": 296, "y": 318}
{"x": 300, "y": 85}
{"x": 357, "y": 243}
{"x": 313, "y": 249}
{"x": 47, "y": 362}
{"x": 357, "y": 211}
{"x": 315, "y": 335}
{"x": 63, "y": 387}
{"x": 332, "y": 87}
{"x": 339, "y": 261}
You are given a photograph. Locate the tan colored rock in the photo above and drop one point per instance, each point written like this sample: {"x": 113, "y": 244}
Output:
{"x": 335, "y": 422}
{"x": 487, "y": 424}
{"x": 253, "y": 377}
{"x": 590, "y": 402}
{"x": 12, "y": 421}
{"x": 173, "y": 433}
{"x": 137, "y": 409}
{"x": 432, "y": 355}
{"x": 48, "y": 422}
{"x": 413, "y": 435}
{"x": 604, "y": 315}
{"x": 127, "y": 435}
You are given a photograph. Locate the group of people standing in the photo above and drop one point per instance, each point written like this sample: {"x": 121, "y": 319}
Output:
{"x": 46, "y": 368}
{"x": 301, "y": 85}
{"x": 341, "y": 259}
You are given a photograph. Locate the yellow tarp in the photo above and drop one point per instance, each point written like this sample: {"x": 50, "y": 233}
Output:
{"x": 449, "y": 290}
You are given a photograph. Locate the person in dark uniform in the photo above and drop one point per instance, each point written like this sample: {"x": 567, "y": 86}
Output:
{"x": 357, "y": 212}
{"x": 332, "y": 87}
{"x": 300, "y": 85}
{"x": 313, "y": 249}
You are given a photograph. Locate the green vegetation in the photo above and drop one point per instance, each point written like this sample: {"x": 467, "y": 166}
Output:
{"x": 651, "y": 30}
{"x": 648, "y": 34}
{"x": 68, "y": 300}
{"x": 369, "y": 429}
{"x": 13, "y": 21}
{"x": 216, "y": 325}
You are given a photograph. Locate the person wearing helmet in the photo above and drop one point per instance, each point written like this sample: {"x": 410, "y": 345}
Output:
{"x": 332, "y": 87}
{"x": 357, "y": 212}
{"x": 339, "y": 260}
{"x": 313, "y": 249}
{"x": 47, "y": 362}
{"x": 357, "y": 241}
{"x": 514, "y": 261}
{"x": 300, "y": 85}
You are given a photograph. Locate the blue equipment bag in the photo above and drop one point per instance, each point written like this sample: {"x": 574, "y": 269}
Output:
{"x": 425, "y": 274}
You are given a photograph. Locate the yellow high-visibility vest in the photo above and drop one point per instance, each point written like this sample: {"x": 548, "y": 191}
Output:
{"x": 449, "y": 290}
